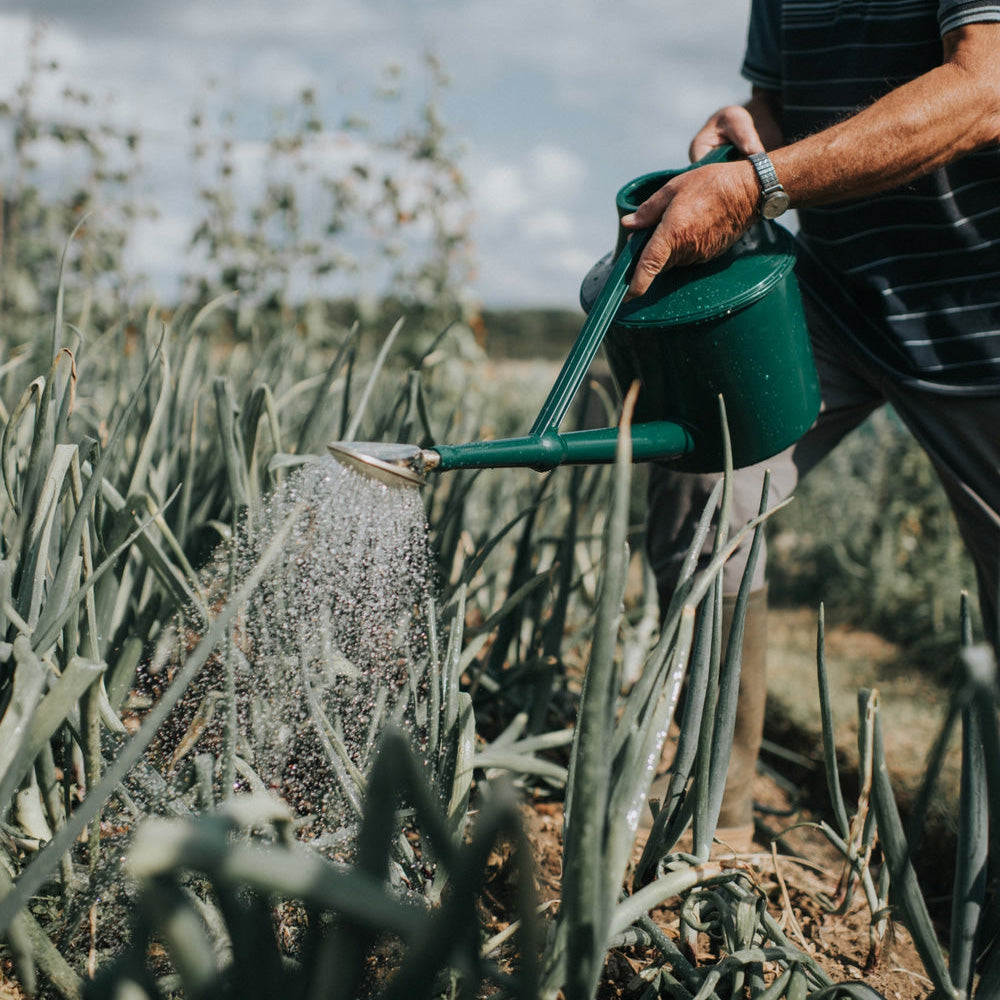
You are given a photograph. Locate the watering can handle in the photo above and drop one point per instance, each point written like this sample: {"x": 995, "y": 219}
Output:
{"x": 718, "y": 154}
{"x": 589, "y": 339}
{"x": 577, "y": 364}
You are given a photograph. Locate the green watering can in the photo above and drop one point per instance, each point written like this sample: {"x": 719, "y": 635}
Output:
{"x": 732, "y": 327}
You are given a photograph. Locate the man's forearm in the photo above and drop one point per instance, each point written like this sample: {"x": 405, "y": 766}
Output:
{"x": 922, "y": 125}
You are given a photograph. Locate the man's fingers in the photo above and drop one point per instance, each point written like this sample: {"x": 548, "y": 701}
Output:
{"x": 704, "y": 142}
{"x": 696, "y": 216}
{"x": 739, "y": 129}
{"x": 648, "y": 213}
{"x": 731, "y": 126}
{"x": 652, "y": 260}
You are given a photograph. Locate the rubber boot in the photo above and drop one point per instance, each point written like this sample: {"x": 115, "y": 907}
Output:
{"x": 736, "y": 815}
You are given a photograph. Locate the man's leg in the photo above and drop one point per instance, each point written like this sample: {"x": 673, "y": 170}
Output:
{"x": 960, "y": 437}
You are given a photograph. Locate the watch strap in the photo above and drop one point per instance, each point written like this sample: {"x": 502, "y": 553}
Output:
{"x": 774, "y": 198}
{"x": 765, "y": 172}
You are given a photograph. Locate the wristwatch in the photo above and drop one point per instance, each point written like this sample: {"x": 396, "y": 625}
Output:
{"x": 773, "y": 197}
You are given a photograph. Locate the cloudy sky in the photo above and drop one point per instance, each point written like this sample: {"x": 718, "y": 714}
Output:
{"x": 557, "y": 102}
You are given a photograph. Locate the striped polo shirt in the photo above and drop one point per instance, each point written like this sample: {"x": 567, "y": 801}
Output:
{"x": 912, "y": 275}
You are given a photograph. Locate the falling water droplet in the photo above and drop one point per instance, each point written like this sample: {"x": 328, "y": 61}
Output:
{"x": 332, "y": 646}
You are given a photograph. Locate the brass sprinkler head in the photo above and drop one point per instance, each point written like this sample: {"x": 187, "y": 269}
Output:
{"x": 392, "y": 464}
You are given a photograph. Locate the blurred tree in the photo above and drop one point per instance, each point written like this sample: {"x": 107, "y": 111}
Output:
{"x": 359, "y": 210}
{"x": 99, "y": 164}
{"x": 373, "y": 210}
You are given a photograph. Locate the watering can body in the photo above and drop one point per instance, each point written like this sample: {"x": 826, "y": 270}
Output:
{"x": 733, "y": 327}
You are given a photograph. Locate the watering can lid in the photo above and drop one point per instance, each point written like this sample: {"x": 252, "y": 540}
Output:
{"x": 745, "y": 273}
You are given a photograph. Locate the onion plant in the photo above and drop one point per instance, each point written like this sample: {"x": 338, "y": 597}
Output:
{"x": 970, "y": 966}
{"x": 124, "y": 471}
{"x": 102, "y": 531}
{"x": 209, "y": 891}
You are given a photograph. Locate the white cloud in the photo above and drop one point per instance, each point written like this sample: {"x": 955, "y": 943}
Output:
{"x": 535, "y": 232}
{"x": 499, "y": 192}
{"x": 544, "y": 182}
{"x": 161, "y": 244}
{"x": 265, "y": 20}
{"x": 557, "y": 171}
{"x": 574, "y": 264}
{"x": 15, "y": 30}
{"x": 550, "y": 224}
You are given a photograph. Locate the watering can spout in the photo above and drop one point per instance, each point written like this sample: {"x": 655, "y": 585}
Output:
{"x": 392, "y": 464}
{"x": 406, "y": 465}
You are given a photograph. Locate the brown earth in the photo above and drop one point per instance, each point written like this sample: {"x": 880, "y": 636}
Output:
{"x": 798, "y": 871}
{"x": 912, "y": 704}
{"x": 912, "y": 707}
{"x": 795, "y": 879}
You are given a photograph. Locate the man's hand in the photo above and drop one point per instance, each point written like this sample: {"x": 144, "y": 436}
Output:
{"x": 734, "y": 126}
{"x": 698, "y": 215}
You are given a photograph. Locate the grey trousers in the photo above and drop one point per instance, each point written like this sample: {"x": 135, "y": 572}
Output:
{"x": 961, "y": 436}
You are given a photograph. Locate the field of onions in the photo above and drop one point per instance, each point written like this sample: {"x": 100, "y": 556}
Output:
{"x": 207, "y": 791}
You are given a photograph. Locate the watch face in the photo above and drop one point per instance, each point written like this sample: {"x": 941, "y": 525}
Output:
{"x": 775, "y": 204}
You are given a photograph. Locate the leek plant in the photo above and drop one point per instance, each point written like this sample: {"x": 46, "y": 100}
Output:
{"x": 208, "y": 890}
{"x": 616, "y": 750}
{"x": 113, "y": 497}
{"x": 970, "y": 966}
{"x": 124, "y": 470}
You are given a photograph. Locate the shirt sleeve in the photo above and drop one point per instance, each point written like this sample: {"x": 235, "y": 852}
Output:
{"x": 957, "y": 13}
{"x": 762, "y": 61}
